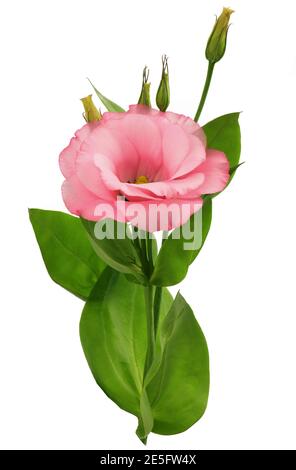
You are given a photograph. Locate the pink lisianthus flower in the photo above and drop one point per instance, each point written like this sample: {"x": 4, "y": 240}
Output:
{"x": 142, "y": 166}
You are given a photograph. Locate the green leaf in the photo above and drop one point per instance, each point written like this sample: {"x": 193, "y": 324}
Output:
{"x": 145, "y": 418}
{"x": 178, "y": 393}
{"x": 114, "y": 337}
{"x": 223, "y": 133}
{"x": 174, "y": 259}
{"x": 118, "y": 251}
{"x": 109, "y": 105}
{"x": 68, "y": 256}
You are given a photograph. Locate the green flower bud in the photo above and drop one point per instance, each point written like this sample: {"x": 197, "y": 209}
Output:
{"x": 216, "y": 45}
{"x": 91, "y": 113}
{"x": 145, "y": 92}
{"x": 163, "y": 92}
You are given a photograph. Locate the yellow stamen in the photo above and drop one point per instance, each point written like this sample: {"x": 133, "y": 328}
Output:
{"x": 141, "y": 180}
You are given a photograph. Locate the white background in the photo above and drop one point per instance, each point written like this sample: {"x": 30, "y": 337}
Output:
{"x": 242, "y": 287}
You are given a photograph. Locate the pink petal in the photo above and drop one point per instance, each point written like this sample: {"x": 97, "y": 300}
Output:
{"x": 67, "y": 158}
{"x": 145, "y": 136}
{"x": 107, "y": 116}
{"x": 104, "y": 158}
{"x": 90, "y": 176}
{"x": 142, "y": 109}
{"x": 157, "y": 190}
{"x": 175, "y": 146}
{"x": 216, "y": 171}
{"x": 165, "y": 215}
{"x": 195, "y": 156}
{"x": 78, "y": 199}
{"x": 187, "y": 123}
{"x": 113, "y": 150}
{"x": 189, "y": 126}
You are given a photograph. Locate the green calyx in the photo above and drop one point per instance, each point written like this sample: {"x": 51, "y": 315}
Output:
{"x": 145, "y": 91}
{"x": 163, "y": 92}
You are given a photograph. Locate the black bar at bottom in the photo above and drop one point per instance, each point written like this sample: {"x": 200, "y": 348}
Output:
{"x": 135, "y": 459}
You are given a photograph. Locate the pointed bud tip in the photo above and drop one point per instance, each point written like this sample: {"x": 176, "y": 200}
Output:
{"x": 91, "y": 113}
{"x": 228, "y": 11}
{"x": 145, "y": 91}
{"x": 216, "y": 45}
{"x": 165, "y": 64}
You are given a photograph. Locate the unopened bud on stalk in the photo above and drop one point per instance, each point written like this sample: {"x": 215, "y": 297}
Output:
{"x": 145, "y": 92}
{"x": 91, "y": 113}
{"x": 163, "y": 92}
{"x": 216, "y": 45}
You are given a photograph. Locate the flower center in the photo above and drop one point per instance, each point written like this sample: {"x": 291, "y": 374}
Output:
{"x": 141, "y": 180}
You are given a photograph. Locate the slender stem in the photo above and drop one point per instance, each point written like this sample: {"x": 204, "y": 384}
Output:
{"x": 143, "y": 245}
{"x": 144, "y": 249}
{"x": 205, "y": 91}
{"x": 149, "y": 252}
{"x": 150, "y": 328}
{"x": 158, "y": 292}
{"x": 153, "y": 303}
{"x": 157, "y": 302}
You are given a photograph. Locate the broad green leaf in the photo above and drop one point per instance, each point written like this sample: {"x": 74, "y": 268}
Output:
{"x": 67, "y": 253}
{"x": 145, "y": 418}
{"x": 109, "y": 105}
{"x": 178, "y": 393}
{"x": 113, "y": 337}
{"x": 174, "y": 258}
{"x": 233, "y": 171}
{"x": 223, "y": 133}
{"x": 118, "y": 251}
